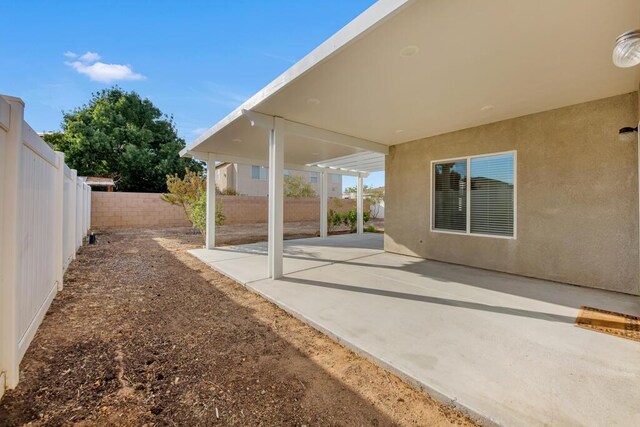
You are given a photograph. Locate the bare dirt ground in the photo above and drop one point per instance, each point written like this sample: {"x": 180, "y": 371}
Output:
{"x": 145, "y": 334}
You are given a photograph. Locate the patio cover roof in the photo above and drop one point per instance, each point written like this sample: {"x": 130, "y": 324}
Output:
{"x": 405, "y": 69}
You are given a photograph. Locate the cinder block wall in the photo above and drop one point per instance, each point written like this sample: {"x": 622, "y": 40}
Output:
{"x": 255, "y": 209}
{"x": 134, "y": 210}
{"x": 147, "y": 210}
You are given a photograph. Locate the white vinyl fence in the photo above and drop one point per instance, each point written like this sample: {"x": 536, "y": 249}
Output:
{"x": 44, "y": 217}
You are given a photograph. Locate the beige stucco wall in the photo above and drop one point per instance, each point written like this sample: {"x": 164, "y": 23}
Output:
{"x": 238, "y": 177}
{"x": 577, "y": 196}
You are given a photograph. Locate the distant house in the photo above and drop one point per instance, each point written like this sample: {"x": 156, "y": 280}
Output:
{"x": 251, "y": 180}
{"x": 100, "y": 183}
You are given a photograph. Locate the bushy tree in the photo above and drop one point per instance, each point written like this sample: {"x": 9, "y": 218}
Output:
{"x": 190, "y": 192}
{"x": 296, "y": 186}
{"x": 122, "y": 136}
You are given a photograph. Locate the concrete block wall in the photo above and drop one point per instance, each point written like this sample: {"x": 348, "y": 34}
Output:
{"x": 254, "y": 209}
{"x": 134, "y": 210}
{"x": 147, "y": 210}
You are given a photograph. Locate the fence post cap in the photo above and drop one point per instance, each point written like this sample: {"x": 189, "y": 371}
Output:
{"x": 10, "y": 98}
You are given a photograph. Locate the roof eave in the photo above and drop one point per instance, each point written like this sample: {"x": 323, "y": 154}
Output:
{"x": 375, "y": 15}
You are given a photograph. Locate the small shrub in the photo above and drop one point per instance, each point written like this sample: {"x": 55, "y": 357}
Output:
{"x": 229, "y": 192}
{"x": 334, "y": 219}
{"x": 197, "y": 213}
{"x": 190, "y": 192}
{"x": 370, "y": 229}
{"x": 350, "y": 219}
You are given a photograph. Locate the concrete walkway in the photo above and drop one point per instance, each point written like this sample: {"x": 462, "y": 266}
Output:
{"x": 503, "y": 347}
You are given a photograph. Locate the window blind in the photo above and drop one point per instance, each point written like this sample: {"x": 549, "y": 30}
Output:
{"x": 492, "y": 195}
{"x": 450, "y": 196}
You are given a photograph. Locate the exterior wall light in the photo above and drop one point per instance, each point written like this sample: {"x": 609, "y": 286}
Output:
{"x": 627, "y": 134}
{"x": 626, "y": 53}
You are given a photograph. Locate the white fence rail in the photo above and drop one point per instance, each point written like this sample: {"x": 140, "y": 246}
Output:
{"x": 44, "y": 217}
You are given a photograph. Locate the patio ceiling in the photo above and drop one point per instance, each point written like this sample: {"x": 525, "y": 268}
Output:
{"x": 405, "y": 70}
{"x": 363, "y": 162}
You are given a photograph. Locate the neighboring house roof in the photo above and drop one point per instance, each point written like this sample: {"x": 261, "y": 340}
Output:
{"x": 406, "y": 69}
{"x": 95, "y": 181}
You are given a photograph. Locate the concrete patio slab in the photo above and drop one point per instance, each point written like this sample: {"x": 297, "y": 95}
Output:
{"x": 503, "y": 347}
{"x": 248, "y": 263}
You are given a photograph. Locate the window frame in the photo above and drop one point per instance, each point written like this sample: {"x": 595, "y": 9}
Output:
{"x": 468, "y": 232}
{"x": 260, "y": 169}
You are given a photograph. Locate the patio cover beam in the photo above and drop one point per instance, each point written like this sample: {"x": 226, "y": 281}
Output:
{"x": 265, "y": 163}
{"x": 318, "y": 134}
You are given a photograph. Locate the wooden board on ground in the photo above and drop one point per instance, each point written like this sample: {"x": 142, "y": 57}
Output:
{"x": 609, "y": 322}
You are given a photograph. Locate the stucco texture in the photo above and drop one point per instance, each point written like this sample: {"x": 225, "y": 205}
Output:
{"x": 577, "y": 196}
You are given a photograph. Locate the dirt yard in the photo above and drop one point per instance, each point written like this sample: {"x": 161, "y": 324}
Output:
{"x": 144, "y": 334}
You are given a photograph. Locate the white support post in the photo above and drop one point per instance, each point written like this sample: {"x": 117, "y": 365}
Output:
{"x": 74, "y": 210}
{"x": 276, "y": 197}
{"x": 211, "y": 202}
{"x": 360, "y": 205}
{"x": 10, "y": 242}
{"x": 324, "y": 229}
{"x": 58, "y": 215}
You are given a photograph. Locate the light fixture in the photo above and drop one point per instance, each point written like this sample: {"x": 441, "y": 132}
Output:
{"x": 409, "y": 51}
{"x": 313, "y": 101}
{"x": 626, "y": 53}
{"x": 487, "y": 108}
{"x": 236, "y": 140}
{"x": 627, "y": 134}
{"x": 399, "y": 130}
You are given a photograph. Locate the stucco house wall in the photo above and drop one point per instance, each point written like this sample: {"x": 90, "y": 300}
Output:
{"x": 238, "y": 177}
{"x": 577, "y": 196}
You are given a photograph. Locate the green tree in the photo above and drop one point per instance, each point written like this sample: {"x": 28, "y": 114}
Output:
{"x": 122, "y": 136}
{"x": 296, "y": 186}
{"x": 190, "y": 192}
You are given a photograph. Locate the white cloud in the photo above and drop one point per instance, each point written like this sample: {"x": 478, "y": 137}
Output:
{"x": 105, "y": 73}
{"x": 89, "y": 65}
{"x": 89, "y": 57}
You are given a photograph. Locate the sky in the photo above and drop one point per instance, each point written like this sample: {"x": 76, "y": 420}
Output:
{"x": 195, "y": 60}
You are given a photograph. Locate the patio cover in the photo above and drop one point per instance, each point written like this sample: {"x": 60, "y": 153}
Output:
{"x": 407, "y": 69}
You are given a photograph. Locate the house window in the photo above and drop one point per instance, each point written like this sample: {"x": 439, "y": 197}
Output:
{"x": 286, "y": 172}
{"x": 314, "y": 178}
{"x": 335, "y": 179}
{"x": 259, "y": 172}
{"x": 475, "y": 195}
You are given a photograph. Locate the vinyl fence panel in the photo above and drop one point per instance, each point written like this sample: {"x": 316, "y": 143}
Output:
{"x": 43, "y": 221}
